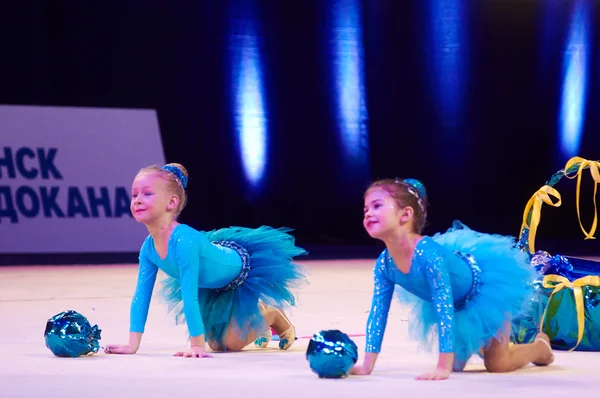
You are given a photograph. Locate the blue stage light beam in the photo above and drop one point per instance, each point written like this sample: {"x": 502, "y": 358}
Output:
{"x": 251, "y": 119}
{"x": 447, "y": 21}
{"x": 348, "y": 68}
{"x": 574, "y": 87}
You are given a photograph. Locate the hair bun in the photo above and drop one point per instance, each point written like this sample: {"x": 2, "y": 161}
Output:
{"x": 180, "y": 167}
{"x": 179, "y": 171}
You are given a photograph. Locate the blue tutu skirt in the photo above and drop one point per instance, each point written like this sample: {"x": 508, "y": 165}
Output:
{"x": 505, "y": 289}
{"x": 271, "y": 276}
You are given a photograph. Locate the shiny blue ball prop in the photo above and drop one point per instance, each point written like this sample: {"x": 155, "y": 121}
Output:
{"x": 331, "y": 354}
{"x": 69, "y": 334}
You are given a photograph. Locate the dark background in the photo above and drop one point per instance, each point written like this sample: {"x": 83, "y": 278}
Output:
{"x": 481, "y": 156}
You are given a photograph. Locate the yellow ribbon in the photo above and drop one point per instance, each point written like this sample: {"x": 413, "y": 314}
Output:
{"x": 535, "y": 205}
{"x": 594, "y": 170}
{"x": 558, "y": 283}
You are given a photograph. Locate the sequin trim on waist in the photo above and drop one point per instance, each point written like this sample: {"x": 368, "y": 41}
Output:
{"x": 476, "y": 270}
{"x": 243, "y": 275}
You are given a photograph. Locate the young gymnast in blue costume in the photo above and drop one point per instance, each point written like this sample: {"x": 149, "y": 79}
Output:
{"x": 228, "y": 285}
{"x": 464, "y": 286}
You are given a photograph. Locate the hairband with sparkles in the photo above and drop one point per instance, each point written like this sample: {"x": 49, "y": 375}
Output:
{"x": 176, "y": 171}
{"x": 415, "y": 188}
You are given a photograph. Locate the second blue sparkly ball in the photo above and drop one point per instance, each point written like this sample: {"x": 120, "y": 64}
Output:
{"x": 331, "y": 354}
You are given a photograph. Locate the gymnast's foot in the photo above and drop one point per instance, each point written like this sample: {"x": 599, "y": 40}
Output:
{"x": 287, "y": 338}
{"x": 280, "y": 324}
{"x": 264, "y": 339}
{"x": 546, "y": 356}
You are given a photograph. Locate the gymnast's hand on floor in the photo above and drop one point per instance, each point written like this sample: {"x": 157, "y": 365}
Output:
{"x": 194, "y": 352}
{"x": 368, "y": 365}
{"x": 360, "y": 370}
{"x": 437, "y": 374}
{"x": 120, "y": 349}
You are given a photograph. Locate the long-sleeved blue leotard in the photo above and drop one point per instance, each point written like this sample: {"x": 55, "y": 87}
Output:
{"x": 195, "y": 262}
{"x": 436, "y": 275}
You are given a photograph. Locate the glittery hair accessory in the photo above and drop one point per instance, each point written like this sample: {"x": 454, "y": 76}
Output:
{"x": 418, "y": 185}
{"x": 176, "y": 171}
{"x": 415, "y": 188}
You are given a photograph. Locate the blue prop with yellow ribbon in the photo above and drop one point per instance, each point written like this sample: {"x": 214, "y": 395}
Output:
{"x": 572, "y": 312}
{"x": 566, "y": 299}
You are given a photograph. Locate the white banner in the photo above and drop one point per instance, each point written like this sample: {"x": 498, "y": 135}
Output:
{"x": 66, "y": 174}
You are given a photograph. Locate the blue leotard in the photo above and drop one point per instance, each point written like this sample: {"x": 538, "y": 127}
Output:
{"x": 436, "y": 275}
{"x": 463, "y": 285}
{"x": 195, "y": 262}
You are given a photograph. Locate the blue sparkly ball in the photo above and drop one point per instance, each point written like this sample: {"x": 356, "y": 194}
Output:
{"x": 331, "y": 354}
{"x": 69, "y": 334}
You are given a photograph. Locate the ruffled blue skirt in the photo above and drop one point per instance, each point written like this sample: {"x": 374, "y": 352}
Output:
{"x": 271, "y": 277}
{"x": 504, "y": 291}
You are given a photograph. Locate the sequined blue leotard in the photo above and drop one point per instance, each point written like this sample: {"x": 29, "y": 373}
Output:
{"x": 195, "y": 262}
{"x": 464, "y": 285}
{"x": 435, "y": 275}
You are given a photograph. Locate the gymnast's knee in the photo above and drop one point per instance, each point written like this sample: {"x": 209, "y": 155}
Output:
{"x": 498, "y": 366}
{"x": 215, "y": 346}
{"x": 235, "y": 345}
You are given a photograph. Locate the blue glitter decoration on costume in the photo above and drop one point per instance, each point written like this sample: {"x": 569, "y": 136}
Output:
{"x": 245, "y": 256}
{"x": 331, "y": 354}
{"x": 476, "y": 270}
{"x": 69, "y": 334}
{"x": 177, "y": 172}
